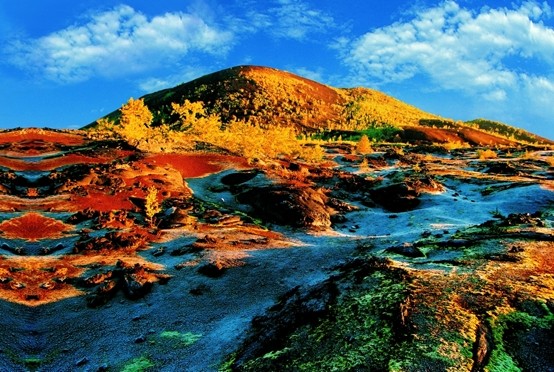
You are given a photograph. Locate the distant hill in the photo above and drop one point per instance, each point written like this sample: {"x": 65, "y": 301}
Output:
{"x": 267, "y": 97}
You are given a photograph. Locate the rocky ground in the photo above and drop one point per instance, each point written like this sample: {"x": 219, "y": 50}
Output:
{"x": 409, "y": 258}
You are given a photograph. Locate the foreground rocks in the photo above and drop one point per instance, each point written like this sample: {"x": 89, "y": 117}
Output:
{"x": 404, "y": 259}
{"x": 303, "y": 207}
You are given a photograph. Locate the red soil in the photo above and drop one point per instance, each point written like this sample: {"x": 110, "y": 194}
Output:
{"x": 198, "y": 165}
{"x": 479, "y": 138}
{"x": 101, "y": 201}
{"x": 34, "y": 134}
{"x": 13, "y": 164}
{"x": 52, "y": 163}
{"x": 432, "y": 134}
{"x": 33, "y": 226}
{"x": 469, "y": 135}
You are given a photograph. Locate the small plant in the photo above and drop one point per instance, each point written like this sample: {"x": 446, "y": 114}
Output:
{"x": 486, "y": 154}
{"x": 152, "y": 206}
{"x": 138, "y": 365}
{"x": 312, "y": 154}
{"x": 496, "y": 213}
{"x": 185, "y": 339}
{"x": 398, "y": 151}
{"x": 363, "y": 146}
{"x": 454, "y": 145}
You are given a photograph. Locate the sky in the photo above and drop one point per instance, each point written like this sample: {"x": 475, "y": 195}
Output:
{"x": 66, "y": 63}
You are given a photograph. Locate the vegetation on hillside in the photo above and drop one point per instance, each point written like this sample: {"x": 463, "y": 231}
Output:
{"x": 270, "y": 97}
{"x": 195, "y": 126}
{"x": 367, "y": 108}
{"x": 258, "y": 103}
{"x": 504, "y": 130}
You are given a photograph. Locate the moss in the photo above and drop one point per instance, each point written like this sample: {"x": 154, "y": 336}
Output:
{"x": 501, "y": 360}
{"x": 140, "y": 364}
{"x": 358, "y": 332}
{"x": 184, "y": 339}
{"x": 32, "y": 363}
{"x": 227, "y": 364}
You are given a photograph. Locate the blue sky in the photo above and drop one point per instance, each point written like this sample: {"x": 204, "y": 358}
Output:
{"x": 64, "y": 63}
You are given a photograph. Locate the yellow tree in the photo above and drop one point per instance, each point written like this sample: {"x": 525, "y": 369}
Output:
{"x": 189, "y": 113}
{"x": 134, "y": 123}
{"x": 194, "y": 119}
{"x": 363, "y": 146}
{"x": 151, "y": 205}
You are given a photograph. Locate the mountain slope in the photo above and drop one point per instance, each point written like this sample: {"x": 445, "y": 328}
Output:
{"x": 267, "y": 97}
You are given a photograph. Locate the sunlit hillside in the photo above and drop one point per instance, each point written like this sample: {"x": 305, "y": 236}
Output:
{"x": 267, "y": 97}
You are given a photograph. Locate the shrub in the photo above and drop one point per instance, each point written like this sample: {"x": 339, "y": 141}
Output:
{"x": 312, "y": 154}
{"x": 486, "y": 154}
{"x": 151, "y": 205}
{"x": 195, "y": 125}
{"x": 454, "y": 145}
{"x": 254, "y": 142}
{"x": 134, "y": 123}
{"x": 363, "y": 146}
{"x": 194, "y": 119}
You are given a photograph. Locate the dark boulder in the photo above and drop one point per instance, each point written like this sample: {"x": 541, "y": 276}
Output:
{"x": 136, "y": 286}
{"x": 304, "y": 207}
{"x": 408, "y": 250}
{"x": 503, "y": 168}
{"x": 398, "y": 197}
{"x": 238, "y": 178}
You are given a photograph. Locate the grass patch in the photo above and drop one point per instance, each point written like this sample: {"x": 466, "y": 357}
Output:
{"x": 358, "y": 332}
{"x": 184, "y": 339}
{"x": 140, "y": 364}
{"x": 501, "y": 360}
{"x": 380, "y": 133}
{"x": 32, "y": 363}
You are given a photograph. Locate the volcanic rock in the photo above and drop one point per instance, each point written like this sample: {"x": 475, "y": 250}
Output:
{"x": 398, "y": 197}
{"x": 238, "y": 178}
{"x": 408, "y": 250}
{"x": 303, "y": 207}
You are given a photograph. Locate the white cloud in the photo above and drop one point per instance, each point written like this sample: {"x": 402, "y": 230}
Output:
{"x": 118, "y": 42}
{"x": 458, "y": 49}
{"x": 287, "y": 19}
{"x": 296, "y": 20}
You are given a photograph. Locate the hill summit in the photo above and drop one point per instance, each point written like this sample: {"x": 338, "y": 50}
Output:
{"x": 269, "y": 97}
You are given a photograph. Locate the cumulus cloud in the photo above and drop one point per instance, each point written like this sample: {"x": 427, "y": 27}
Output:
{"x": 118, "y": 42}
{"x": 477, "y": 52}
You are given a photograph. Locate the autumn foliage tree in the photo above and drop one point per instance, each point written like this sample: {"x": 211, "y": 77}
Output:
{"x": 194, "y": 124}
{"x": 151, "y": 205}
{"x": 134, "y": 123}
{"x": 363, "y": 146}
{"x": 194, "y": 119}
